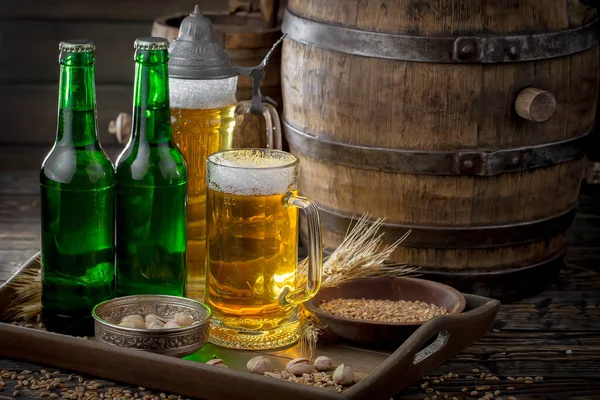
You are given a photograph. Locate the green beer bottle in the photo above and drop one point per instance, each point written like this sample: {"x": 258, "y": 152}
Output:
{"x": 151, "y": 185}
{"x": 77, "y": 203}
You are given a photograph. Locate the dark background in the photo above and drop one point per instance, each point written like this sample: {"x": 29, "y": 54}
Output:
{"x": 30, "y": 31}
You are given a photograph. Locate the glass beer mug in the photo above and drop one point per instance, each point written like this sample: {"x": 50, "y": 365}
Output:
{"x": 204, "y": 114}
{"x": 252, "y": 277}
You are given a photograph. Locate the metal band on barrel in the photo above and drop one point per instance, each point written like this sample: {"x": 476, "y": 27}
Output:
{"x": 477, "y": 162}
{"x": 485, "y": 48}
{"x": 459, "y": 237}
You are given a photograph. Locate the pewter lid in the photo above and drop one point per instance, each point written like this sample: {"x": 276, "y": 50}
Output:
{"x": 196, "y": 53}
{"x": 151, "y": 43}
{"x": 76, "y": 46}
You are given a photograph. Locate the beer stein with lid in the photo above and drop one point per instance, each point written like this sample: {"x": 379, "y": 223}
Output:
{"x": 204, "y": 111}
{"x": 253, "y": 281}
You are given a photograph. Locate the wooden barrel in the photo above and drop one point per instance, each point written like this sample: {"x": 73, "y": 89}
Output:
{"x": 246, "y": 40}
{"x": 464, "y": 121}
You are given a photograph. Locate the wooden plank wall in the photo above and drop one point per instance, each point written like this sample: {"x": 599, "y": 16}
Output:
{"x": 30, "y": 31}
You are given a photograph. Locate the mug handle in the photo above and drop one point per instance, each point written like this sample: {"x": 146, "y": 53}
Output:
{"x": 315, "y": 250}
{"x": 268, "y": 124}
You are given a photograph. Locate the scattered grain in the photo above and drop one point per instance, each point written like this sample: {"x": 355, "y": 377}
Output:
{"x": 569, "y": 352}
{"x": 511, "y": 398}
{"x": 510, "y": 378}
{"x": 429, "y": 390}
{"x": 475, "y": 370}
{"x": 53, "y": 396}
{"x": 520, "y": 379}
{"x": 469, "y": 377}
{"x": 539, "y": 378}
{"x": 497, "y": 393}
{"x": 16, "y": 393}
{"x": 464, "y": 390}
{"x": 510, "y": 388}
{"x": 436, "y": 381}
{"x": 424, "y": 385}
{"x": 474, "y": 393}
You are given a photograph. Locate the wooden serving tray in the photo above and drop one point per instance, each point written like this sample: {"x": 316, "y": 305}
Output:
{"x": 382, "y": 374}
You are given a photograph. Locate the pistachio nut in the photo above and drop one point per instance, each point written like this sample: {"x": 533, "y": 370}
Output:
{"x": 155, "y": 325}
{"x": 259, "y": 365}
{"x": 171, "y": 324}
{"x": 152, "y": 317}
{"x": 299, "y": 366}
{"x": 183, "y": 319}
{"x": 343, "y": 375}
{"x": 134, "y": 317}
{"x": 217, "y": 362}
{"x": 323, "y": 363}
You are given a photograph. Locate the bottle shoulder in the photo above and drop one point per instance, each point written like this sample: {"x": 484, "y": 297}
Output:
{"x": 78, "y": 168}
{"x": 151, "y": 165}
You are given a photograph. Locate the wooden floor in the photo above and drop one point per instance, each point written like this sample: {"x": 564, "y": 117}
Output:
{"x": 554, "y": 335}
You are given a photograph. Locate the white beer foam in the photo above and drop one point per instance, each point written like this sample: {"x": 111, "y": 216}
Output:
{"x": 252, "y": 173}
{"x": 202, "y": 94}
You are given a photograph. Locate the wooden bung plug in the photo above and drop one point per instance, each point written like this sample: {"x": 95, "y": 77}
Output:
{"x": 121, "y": 127}
{"x": 535, "y": 105}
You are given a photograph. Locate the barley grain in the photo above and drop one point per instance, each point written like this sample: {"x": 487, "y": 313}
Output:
{"x": 382, "y": 310}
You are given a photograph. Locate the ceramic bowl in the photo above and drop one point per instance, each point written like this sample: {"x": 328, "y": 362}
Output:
{"x": 178, "y": 342}
{"x": 400, "y": 288}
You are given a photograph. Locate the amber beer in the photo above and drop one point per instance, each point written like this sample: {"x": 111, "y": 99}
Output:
{"x": 252, "y": 248}
{"x": 199, "y": 133}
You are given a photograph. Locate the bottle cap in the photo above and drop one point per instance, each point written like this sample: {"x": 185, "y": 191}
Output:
{"x": 151, "y": 43}
{"x": 196, "y": 53}
{"x": 77, "y": 46}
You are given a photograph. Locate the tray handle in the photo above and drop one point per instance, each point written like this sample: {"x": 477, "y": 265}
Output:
{"x": 410, "y": 362}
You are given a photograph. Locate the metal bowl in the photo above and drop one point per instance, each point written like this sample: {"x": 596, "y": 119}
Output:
{"x": 177, "y": 342}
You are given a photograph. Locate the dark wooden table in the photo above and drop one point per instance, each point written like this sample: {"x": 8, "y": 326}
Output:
{"x": 554, "y": 335}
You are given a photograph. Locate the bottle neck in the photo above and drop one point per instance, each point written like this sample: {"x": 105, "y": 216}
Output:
{"x": 77, "y": 124}
{"x": 151, "y": 114}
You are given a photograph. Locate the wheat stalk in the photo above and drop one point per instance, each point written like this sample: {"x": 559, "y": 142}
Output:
{"x": 26, "y": 301}
{"x": 360, "y": 255}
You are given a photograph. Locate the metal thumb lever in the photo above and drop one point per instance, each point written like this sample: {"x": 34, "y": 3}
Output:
{"x": 256, "y": 74}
